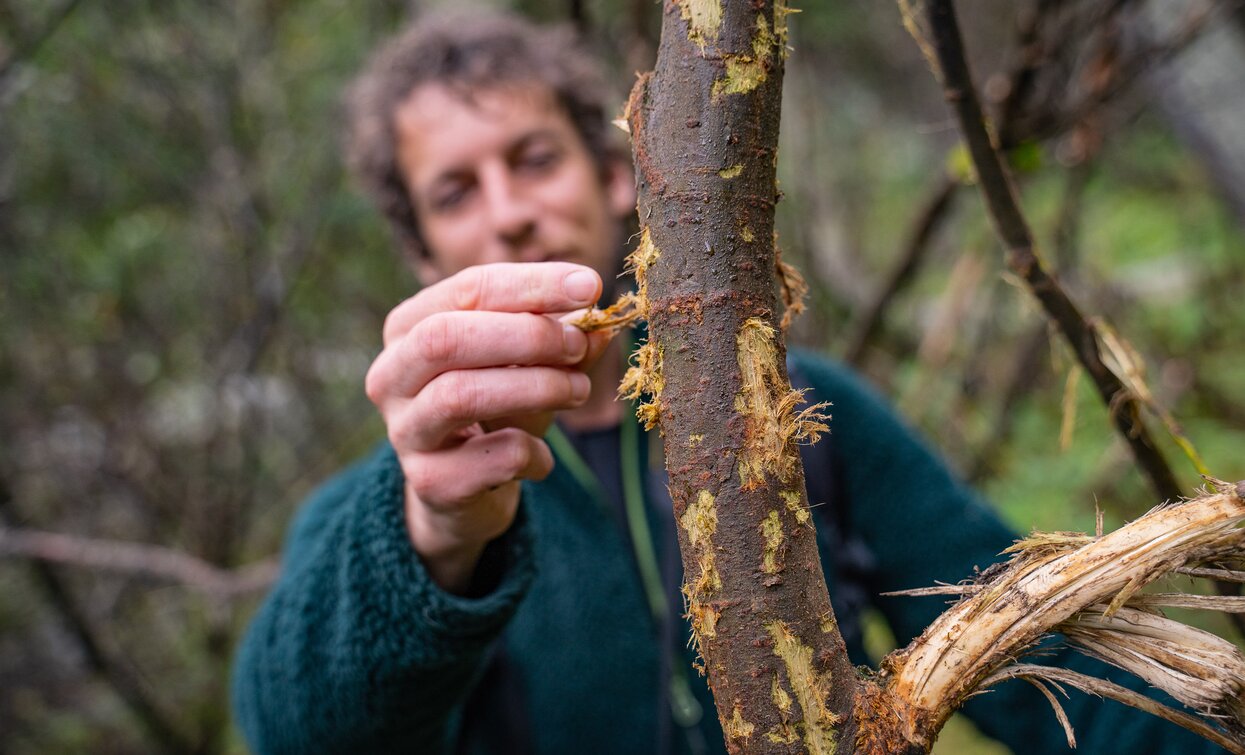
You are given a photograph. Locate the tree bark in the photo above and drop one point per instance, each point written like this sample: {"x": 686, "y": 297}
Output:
{"x": 705, "y": 130}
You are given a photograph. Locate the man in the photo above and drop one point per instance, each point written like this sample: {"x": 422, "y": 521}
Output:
{"x": 462, "y": 591}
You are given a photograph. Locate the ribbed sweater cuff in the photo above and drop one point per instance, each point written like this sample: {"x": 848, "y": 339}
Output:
{"x": 450, "y": 623}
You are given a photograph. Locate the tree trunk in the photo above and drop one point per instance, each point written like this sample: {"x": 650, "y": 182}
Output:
{"x": 704, "y": 130}
{"x": 705, "y": 133}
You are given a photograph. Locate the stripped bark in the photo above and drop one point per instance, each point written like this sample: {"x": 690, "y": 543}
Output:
{"x": 705, "y": 127}
{"x": 713, "y": 376}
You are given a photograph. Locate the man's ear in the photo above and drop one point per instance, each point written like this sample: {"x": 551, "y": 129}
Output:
{"x": 620, "y": 185}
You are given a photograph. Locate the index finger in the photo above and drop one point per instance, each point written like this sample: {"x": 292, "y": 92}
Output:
{"x": 538, "y": 287}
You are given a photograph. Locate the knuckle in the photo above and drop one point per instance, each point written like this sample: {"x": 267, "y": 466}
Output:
{"x": 391, "y": 330}
{"x": 436, "y": 340}
{"x": 422, "y": 478}
{"x": 400, "y": 430}
{"x": 457, "y": 398}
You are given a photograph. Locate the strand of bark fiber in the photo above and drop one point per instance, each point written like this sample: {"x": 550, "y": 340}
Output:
{"x": 1022, "y": 259}
{"x": 1112, "y": 691}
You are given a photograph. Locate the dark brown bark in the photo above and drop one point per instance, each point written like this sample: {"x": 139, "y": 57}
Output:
{"x": 705, "y": 128}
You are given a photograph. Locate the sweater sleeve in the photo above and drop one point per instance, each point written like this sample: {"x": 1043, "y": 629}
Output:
{"x": 356, "y": 649}
{"x": 923, "y": 526}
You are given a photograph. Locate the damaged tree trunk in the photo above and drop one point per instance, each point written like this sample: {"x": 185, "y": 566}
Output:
{"x": 705, "y": 131}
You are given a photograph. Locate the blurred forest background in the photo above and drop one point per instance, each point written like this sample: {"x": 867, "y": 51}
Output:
{"x": 191, "y": 293}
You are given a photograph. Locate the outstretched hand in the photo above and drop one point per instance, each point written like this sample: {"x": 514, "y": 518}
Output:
{"x": 472, "y": 370}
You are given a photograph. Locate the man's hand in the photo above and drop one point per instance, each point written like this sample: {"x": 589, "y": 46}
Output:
{"x": 471, "y": 373}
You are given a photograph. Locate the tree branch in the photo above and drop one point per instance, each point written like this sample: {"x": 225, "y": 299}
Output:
{"x": 159, "y": 725}
{"x": 1022, "y": 258}
{"x": 931, "y": 218}
{"x": 138, "y": 561}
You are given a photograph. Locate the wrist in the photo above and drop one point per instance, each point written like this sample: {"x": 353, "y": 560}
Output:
{"x": 450, "y": 557}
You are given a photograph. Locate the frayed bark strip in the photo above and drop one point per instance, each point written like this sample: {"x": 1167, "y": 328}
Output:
{"x": 643, "y": 382}
{"x": 1060, "y": 714}
{"x": 1111, "y": 691}
{"x": 767, "y": 402}
{"x": 1224, "y": 603}
{"x": 617, "y": 316}
{"x": 1221, "y": 575}
{"x": 1050, "y": 580}
{"x": 1201, "y": 670}
{"x": 791, "y": 285}
{"x": 923, "y": 592}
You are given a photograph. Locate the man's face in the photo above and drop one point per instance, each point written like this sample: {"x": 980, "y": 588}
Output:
{"x": 505, "y": 177}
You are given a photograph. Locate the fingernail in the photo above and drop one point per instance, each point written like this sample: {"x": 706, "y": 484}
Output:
{"x": 574, "y": 342}
{"x": 580, "y": 286}
{"x": 580, "y": 386}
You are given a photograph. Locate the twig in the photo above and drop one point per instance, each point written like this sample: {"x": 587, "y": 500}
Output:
{"x": 936, "y": 209}
{"x": 1224, "y": 603}
{"x": 1219, "y": 575}
{"x": 28, "y": 48}
{"x": 1022, "y": 259}
{"x": 150, "y": 562}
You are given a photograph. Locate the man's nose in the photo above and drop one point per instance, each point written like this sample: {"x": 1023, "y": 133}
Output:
{"x": 511, "y": 213}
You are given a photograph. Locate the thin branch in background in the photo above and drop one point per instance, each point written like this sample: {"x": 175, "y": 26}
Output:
{"x": 1031, "y": 52}
{"x": 1031, "y": 354}
{"x": 1022, "y": 259}
{"x": 578, "y": 15}
{"x": 29, "y": 47}
{"x": 141, "y": 561}
{"x": 123, "y": 681}
{"x": 935, "y": 211}
{"x": 1127, "y": 72}
{"x": 1017, "y": 86}
{"x": 1123, "y": 406}
{"x": 1024, "y": 375}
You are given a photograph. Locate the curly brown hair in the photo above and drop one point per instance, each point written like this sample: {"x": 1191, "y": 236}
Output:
{"x": 465, "y": 52}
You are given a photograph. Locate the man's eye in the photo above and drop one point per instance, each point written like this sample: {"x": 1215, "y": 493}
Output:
{"x": 449, "y": 198}
{"x": 538, "y": 160}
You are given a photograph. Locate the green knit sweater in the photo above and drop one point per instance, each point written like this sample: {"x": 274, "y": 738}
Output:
{"x": 356, "y": 650}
